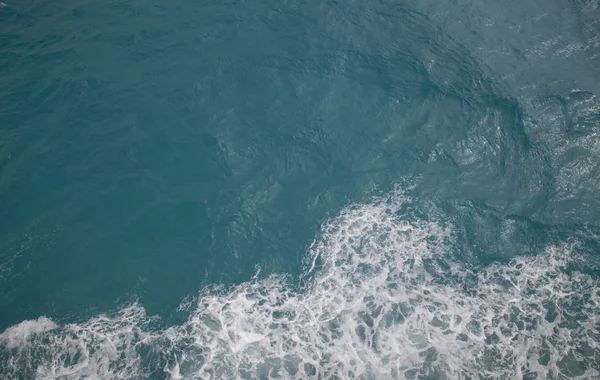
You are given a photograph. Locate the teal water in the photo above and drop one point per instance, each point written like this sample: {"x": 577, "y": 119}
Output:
{"x": 284, "y": 189}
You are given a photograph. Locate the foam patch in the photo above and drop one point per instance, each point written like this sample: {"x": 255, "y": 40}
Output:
{"x": 380, "y": 298}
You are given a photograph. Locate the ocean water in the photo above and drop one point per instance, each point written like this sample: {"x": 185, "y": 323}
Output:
{"x": 300, "y": 190}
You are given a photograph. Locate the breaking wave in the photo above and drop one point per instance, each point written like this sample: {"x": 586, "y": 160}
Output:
{"x": 381, "y": 297}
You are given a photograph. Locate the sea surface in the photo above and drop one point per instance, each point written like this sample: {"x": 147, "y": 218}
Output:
{"x": 284, "y": 189}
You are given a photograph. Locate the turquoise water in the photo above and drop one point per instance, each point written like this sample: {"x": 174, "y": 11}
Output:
{"x": 284, "y": 189}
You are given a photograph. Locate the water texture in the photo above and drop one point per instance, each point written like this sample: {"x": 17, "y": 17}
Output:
{"x": 292, "y": 190}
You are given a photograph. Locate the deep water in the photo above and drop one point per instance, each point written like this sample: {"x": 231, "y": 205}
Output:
{"x": 291, "y": 190}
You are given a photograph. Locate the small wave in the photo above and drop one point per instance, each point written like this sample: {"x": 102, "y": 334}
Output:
{"x": 381, "y": 298}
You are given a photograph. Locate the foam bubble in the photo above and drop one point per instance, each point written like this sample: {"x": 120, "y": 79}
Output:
{"x": 381, "y": 297}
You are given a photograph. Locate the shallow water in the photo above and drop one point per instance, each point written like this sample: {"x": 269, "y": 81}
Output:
{"x": 294, "y": 190}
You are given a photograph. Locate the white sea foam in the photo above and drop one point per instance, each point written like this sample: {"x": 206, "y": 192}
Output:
{"x": 17, "y": 335}
{"x": 381, "y": 298}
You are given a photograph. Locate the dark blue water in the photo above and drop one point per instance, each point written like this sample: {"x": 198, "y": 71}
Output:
{"x": 284, "y": 189}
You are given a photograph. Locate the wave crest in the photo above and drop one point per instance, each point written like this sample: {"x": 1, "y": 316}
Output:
{"x": 381, "y": 297}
